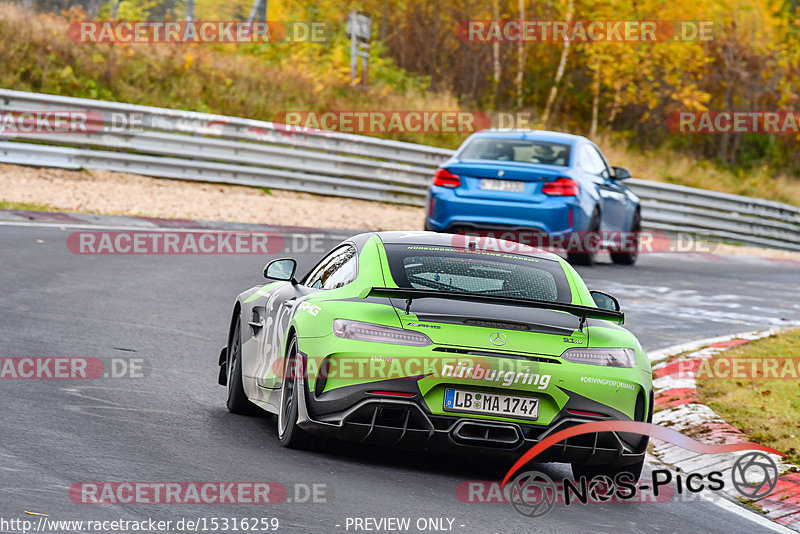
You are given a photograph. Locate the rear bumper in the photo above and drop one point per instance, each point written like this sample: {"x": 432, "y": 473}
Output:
{"x": 447, "y": 210}
{"x": 355, "y": 413}
{"x": 403, "y": 423}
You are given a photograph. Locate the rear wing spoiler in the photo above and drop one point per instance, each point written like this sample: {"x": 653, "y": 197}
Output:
{"x": 409, "y": 294}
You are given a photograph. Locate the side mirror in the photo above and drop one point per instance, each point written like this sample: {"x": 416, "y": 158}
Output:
{"x": 282, "y": 269}
{"x": 621, "y": 173}
{"x": 605, "y": 301}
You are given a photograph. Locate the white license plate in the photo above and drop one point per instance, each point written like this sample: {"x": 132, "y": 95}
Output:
{"x": 508, "y": 186}
{"x": 480, "y": 402}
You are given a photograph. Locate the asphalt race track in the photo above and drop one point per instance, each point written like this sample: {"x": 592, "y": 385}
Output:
{"x": 172, "y": 425}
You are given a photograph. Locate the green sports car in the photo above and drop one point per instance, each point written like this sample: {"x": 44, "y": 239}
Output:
{"x": 428, "y": 340}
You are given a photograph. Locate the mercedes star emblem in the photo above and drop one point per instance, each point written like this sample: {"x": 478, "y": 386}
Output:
{"x": 497, "y": 338}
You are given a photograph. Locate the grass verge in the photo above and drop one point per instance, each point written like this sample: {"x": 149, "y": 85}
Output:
{"x": 6, "y": 205}
{"x": 767, "y": 410}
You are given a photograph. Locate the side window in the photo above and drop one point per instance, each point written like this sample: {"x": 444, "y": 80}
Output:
{"x": 344, "y": 273}
{"x": 596, "y": 163}
{"x": 584, "y": 162}
{"x": 338, "y": 269}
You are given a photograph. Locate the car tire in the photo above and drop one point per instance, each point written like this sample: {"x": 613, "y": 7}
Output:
{"x": 237, "y": 401}
{"x": 290, "y": 435}
{"x": 629, "y": 257}
{"x": 587, "y": 258}
{"x": 610, "y": 471}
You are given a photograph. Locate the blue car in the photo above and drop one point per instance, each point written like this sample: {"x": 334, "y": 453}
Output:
{"x": 531, "y": 180}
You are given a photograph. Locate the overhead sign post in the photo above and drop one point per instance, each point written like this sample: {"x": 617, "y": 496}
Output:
{"x": 359, "y": 29}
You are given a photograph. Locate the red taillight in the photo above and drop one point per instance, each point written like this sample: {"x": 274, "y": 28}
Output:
{"x": 445, "y": 178}
{"x": 562, "y": 187}
{"x": 391, "y": 393}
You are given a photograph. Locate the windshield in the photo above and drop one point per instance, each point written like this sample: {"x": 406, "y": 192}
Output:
{"x": 519, "y": 150}
{"x": 476, "y": 271}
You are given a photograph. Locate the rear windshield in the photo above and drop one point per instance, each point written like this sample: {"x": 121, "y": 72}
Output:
{"x": 520, "y": 150}
{"x": 476, "y": 271}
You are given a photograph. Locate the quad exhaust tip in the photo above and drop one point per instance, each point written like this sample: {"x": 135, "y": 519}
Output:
{"x": 487, "y": 434}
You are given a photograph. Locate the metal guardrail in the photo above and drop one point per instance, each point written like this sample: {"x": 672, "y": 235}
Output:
{"x": 215, "y": 148}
